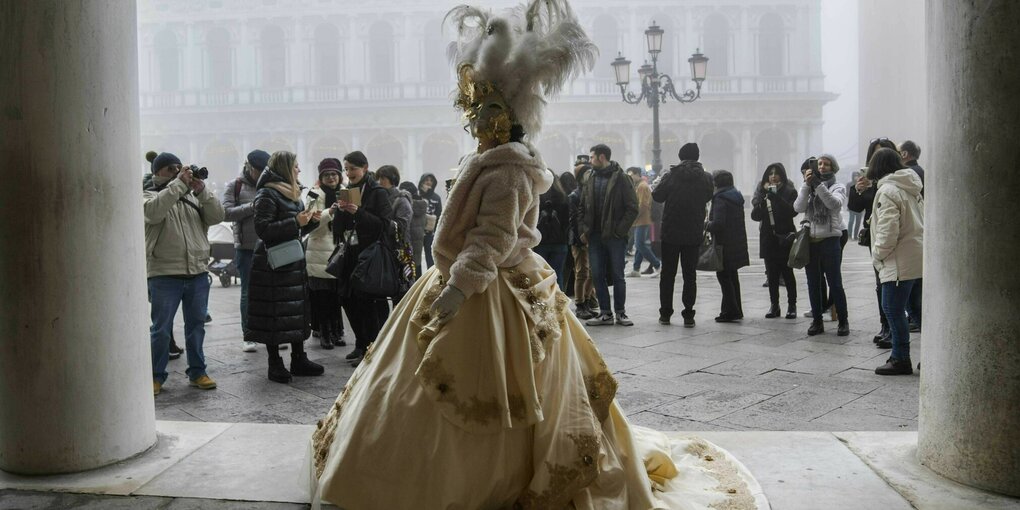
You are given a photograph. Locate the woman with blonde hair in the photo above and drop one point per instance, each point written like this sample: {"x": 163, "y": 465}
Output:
{"x": 276, "y": 303}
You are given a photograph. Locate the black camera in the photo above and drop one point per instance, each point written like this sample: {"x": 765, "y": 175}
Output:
{"x": 201, "y": 173}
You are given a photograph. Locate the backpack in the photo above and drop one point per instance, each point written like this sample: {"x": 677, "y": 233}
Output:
{"x": 549, "y": 219}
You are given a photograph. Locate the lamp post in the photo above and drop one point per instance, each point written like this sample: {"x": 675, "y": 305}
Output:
{"x": 656, "y": 88}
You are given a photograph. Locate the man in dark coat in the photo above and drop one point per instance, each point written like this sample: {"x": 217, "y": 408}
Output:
{"x": 685, "y": 189}
{"x": 608, "y": 208}
{"x": 726, "y": 223}
{"x": 360, "y": 226}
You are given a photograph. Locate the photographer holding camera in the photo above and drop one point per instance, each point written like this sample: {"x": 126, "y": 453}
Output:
{"x": 178, "y": 210}
{"x": 822, "y": 199}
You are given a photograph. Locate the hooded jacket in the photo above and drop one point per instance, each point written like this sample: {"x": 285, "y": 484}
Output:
{"x": 177, "y": 227}
{"x": 897, "y": 227}
{"x": 237, "y": 206}
{"x": 402, "y": 211}
{"x": 496, "y": 198}
{"x": 619, "y": 207}
{"x": 685, "y": 190}
{"x": 726, "y": 223}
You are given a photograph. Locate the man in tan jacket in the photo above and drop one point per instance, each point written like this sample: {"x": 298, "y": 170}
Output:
{"x": 178, "y": 209}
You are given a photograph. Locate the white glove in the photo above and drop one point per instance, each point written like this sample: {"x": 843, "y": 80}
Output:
{"x": 446, "y": 305}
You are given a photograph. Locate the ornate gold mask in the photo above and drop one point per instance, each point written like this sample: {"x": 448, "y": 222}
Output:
{"x": 484, "y": 107}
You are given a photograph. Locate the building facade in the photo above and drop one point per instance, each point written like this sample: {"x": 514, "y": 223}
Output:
{"x": 221, "y": 77}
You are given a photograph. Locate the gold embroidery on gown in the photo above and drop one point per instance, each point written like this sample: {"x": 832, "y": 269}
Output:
{"x": 565, "y": 480}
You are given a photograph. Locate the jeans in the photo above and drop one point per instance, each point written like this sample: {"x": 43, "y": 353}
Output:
{"x": 242, "y": 259}
{"x": 826, "y": 261}
{"x": 729, "y": 283}
{"x": 894, "y": 301}
{"x": 428, "y": 250}
{"x": 854, "y": 223}
{"x": 166, "y": 294}
{"x": 643, "y": 247}
{"x": 914, "y": 303}
{"x": 583, "y": 289}
{"x": 687, "y": 258}
{"x": 555, "y": 255}
{"x": 602, "y": 252}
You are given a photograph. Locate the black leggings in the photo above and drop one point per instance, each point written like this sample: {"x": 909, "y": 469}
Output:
{"x": 777, "y": 269}
{"x": 367, "y": 316}
{"x": 326, "y": 311}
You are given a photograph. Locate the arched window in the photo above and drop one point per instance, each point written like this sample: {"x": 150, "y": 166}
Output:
{"x": 381, "y": 53}
{"x": 617, "y": 144}
{"x": 168, "y": 67}
{"x": 436, "y": 69}
{"x": 274, "y": 58}
{"x": 439, "y": 153}
{"x": 773, "y": 146}
{"x": 326, "y": 148}
{"x": 771, "y": 47}
{"x": 327, "y": 55}
{"x": 223, "y": 161}
{"x": 717, "y": 151}
{"x": 606, "y": 36}
{"x": 717, "y": 44}
{"x": 556, "y": 152}
{"x": 217, "y": 50}
{"x": 385, "y": 150}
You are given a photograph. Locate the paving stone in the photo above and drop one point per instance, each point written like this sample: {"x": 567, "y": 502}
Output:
{"x": 636, "y": 400}
{"x": 662, "y": 422}
{"x": 794, "y": 379}
{"x": 855, "y": 420}
{"x": 806, "y": 404}
{"x": 675, "y": 366}
{"x": 710, "y": 405}
{"x": 748, "y": 366}
{"x": 677, "y": 387}
{"x": 755, "y": 418}
{"x": 900, "y": 402}
{"x": 824, "y": 363}
{"x": 739, "y": 384}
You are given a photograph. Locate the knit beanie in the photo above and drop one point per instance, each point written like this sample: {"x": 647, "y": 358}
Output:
{"x": 258, "y": 159}
{"x": 161, "y": 160}
{"x": 329, "y": 165}
{"x": 689, "y": 152}
{"x": 832, "y": 159}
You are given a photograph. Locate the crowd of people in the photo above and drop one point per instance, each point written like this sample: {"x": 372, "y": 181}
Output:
{"x": 589, "y": 220}
{"x": 349, "y": 210}
{"x": 607, "y": 212}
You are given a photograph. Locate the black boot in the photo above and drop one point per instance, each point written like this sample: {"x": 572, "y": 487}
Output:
{"x": 688, "y": 316}
{"x": 884, "y": 334}
{"x": 774, "y": 311}
{"x": 301, "y": 365}
{"x": 338, "y": 334}
{"x": 277, "y": 371}
{"x": 843, "y": 329}
{"x": 895, "y": 367}
{"x": 175, "y": 350}
{"x": 326, "y": 335}
{"x": 816, "y": 328}
{"x": 791, "y": 311}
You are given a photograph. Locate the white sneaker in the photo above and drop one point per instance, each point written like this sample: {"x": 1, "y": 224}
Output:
{"x": 633, "y": 274}
{"x": 656, "y": 272}
{"x": 248, "y": 346}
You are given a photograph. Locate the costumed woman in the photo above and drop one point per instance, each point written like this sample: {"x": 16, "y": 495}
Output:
{"x": 483, "y": 391}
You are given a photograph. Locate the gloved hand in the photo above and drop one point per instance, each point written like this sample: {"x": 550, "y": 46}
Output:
{"x": 446, "y": 305}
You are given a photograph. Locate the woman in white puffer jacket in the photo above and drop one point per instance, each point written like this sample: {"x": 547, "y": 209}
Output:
{"x": 326, "y": 318}
{"x": 897, "y": 248}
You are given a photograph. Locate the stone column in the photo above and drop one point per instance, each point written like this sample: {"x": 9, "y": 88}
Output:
{"x": 75, "y": 371}
{"x": 969, "y": 428}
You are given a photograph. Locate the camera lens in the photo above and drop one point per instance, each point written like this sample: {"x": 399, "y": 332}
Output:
{"x": 201, "y": 173}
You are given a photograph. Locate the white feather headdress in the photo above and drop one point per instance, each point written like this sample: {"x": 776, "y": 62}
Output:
{"x": 528, "y": 54}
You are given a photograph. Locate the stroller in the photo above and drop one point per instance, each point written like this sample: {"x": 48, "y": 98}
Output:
{"x": 221, "y": 251}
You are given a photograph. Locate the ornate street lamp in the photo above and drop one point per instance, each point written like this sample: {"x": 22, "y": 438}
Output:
{"x": 656, "y": 88}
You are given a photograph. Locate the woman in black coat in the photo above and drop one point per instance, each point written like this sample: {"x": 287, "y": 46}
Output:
{"x": 772, "y": 207}
{"x": 726, "y": 223}
{"x": 554, "y": 225}
{"x": 359, "y": 226}
{"x": 277, "y": 298}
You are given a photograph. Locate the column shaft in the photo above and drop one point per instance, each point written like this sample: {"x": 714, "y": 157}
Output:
{"x": 75, "y": 371}
{"x": 969, "y": 427}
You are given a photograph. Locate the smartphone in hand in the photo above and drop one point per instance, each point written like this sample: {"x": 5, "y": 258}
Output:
{"x": 312, "y": 197}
